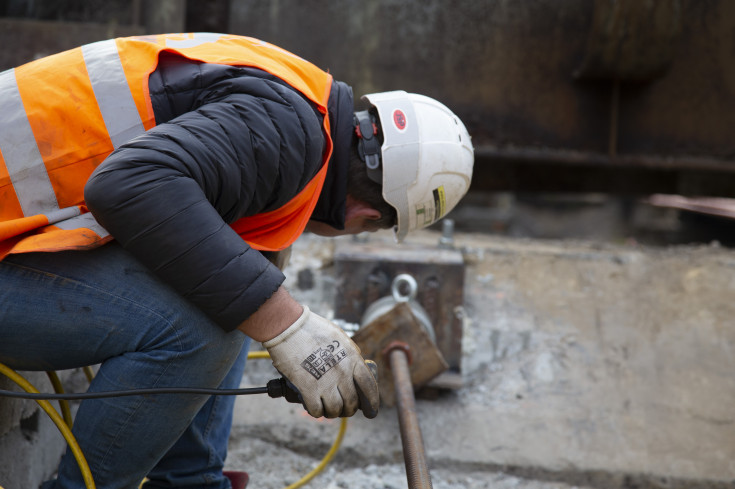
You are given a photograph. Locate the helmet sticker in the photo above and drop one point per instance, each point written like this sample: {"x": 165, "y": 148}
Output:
{"x": 424, "y": 214}
{"x": 431, "y": 210}
{"x": 399, "y": 119}
{"x": 440, "y": 202}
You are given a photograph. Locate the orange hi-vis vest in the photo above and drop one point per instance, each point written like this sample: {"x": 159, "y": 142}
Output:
{"x": 62, "y": 115}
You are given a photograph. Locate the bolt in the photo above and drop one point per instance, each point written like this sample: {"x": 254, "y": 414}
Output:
{"x": 447, "y": 238}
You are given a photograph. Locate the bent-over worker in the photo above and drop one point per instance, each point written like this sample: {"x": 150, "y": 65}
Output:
{"x": 144, "y": 182}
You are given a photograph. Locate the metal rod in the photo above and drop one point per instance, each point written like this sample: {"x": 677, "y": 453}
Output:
{"x": 564, "y": 171}
{"x": 566, "y": 157}
{"x": 414, "y": 455}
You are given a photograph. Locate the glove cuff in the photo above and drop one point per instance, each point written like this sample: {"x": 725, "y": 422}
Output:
{"x": 288, "y": 331}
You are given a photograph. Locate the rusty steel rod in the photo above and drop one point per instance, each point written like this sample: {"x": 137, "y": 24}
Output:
{"x": 414, "y": 455}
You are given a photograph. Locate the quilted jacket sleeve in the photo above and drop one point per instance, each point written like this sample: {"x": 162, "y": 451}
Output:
{"x": 168, "y": 195}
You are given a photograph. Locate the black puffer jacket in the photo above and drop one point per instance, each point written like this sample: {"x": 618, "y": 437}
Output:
{"x": 229, "y": 142}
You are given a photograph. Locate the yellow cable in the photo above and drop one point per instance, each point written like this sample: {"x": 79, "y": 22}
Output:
{"x": 63, "y": 427}
{"x": 333, "y": 449}
{"x": 58, "y": 421}
{"x": 59, "y": 389}
{"x": 89, "y": 373}
{"x": 258, "y": 354}
{"x": 327, "y": 458}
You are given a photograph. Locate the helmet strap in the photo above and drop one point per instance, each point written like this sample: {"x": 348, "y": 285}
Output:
{"x": 368, "y": 144}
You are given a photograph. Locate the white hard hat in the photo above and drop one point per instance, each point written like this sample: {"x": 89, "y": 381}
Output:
{"x": 426, "y": 155}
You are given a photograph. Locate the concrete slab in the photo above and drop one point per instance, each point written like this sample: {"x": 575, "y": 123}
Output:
{"x": 603, "y": 366}
{"x": 30, "y": 443}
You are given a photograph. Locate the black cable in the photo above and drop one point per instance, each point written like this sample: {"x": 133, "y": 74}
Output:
{"x": 133, "y": 392}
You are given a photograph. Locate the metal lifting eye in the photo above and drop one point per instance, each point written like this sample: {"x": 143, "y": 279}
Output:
{"x": 410, "y": 285}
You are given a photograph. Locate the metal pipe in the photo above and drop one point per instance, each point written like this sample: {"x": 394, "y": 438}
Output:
{"x": 565, "y": 171}
{"x": 573, "y": 158}
{"x": 414, "y": 455}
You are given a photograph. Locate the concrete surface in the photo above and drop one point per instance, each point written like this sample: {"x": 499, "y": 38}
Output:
{"x": 30, "y": 443}
{"x": 585, "y": 365}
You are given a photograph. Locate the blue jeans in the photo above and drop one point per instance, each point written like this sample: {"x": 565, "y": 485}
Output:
{"x": 71, "y": 309}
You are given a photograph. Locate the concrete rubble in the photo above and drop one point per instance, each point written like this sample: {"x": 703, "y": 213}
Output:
{"x": 585, "y": 366}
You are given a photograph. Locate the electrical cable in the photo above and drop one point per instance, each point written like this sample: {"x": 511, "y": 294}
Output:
{"x": 89, "y": 373}
{"x": 64, "y": 425}
{"x": 59, "y": 389}
{"x": 327, "y": 458}
{"x": 58, "y": 421}
{"x": 132, "y": 392}
{"x": 332, "y": 450}
{"x": 258, "y": 354}
{"x": 60, "y": 396}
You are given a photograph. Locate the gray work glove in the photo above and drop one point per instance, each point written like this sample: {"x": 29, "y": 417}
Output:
{"x": 325, "y": 365}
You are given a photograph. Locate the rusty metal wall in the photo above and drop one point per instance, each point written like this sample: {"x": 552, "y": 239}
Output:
{"x": 505, "y": 67}
{"x": 603, "y": 93}
{"x": 532, "y": 73}
{"x": 30, "y": 30}
{"x": 559, "y": 95}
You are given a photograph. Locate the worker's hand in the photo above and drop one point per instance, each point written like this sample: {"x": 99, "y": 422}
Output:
{"x": 326, "y": 367}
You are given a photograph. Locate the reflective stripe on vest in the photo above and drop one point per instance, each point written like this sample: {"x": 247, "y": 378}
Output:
{"x": 62, "y": 115}
{"x": 23, "y": 161}
{"x": 112, "y": 92}
{"x": 44, "y": 166}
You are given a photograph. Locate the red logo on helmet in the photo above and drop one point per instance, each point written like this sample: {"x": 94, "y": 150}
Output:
{"x": 399, "y": 119}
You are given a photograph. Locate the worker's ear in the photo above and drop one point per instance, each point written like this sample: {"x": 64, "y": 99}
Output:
{"x": 356, "y": 209}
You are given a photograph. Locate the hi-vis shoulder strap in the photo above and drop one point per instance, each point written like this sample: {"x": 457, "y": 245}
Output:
{"x": 63, "y": 114}
{"x": 53, "y": 133}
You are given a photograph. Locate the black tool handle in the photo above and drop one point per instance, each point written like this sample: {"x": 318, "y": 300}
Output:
{"x": 282, "y": 387}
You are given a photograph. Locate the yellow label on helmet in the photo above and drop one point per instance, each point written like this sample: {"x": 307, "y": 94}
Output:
{"x": 432, "y": 209}
{"x": 440, "y": 202}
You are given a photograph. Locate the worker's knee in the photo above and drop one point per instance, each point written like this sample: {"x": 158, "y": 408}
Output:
{"x": 192, "y": 344}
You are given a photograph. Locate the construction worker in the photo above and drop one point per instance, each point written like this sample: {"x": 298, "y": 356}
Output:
{"x": 143, "y": 184}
